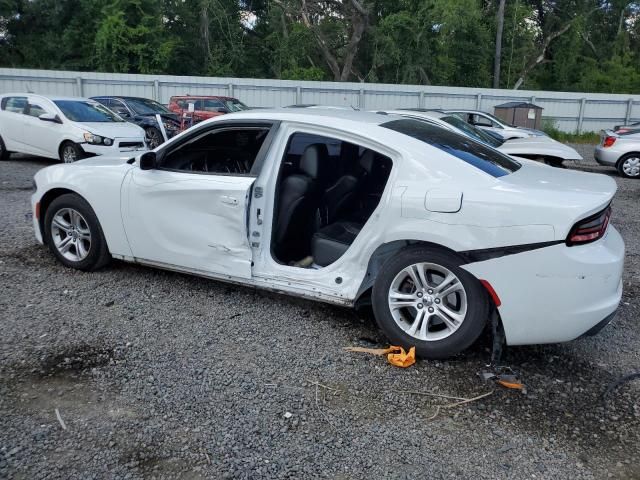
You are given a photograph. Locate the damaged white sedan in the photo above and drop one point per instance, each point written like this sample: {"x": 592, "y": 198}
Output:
{"x": 436, "y": 230}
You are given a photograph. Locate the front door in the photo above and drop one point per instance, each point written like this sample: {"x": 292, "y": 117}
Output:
{"x": 191, "y": 211}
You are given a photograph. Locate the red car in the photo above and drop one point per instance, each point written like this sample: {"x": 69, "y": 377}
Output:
{"x": 204, "y": 107}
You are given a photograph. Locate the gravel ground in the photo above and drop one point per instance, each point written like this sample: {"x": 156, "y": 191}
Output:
{"x": 162, "y": 375}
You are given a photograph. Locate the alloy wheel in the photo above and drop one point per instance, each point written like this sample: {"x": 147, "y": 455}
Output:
{"x": 154, "y": 138}
{"x": 631, "y": 166}
{"x": 427, "y": 301}
{"x": 69, "y": 154}
{"x": 71, "y": 234}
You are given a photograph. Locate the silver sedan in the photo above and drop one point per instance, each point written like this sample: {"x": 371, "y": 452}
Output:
{"x": 620, "y": 150}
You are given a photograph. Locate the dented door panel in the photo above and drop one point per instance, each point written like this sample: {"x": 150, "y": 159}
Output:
{"x": 197, "y": 221}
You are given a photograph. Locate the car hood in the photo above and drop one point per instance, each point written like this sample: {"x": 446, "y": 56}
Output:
{"x": 103, "y": 161}
{"x": 539, "y": 147}
{"x": 113, "y": 129}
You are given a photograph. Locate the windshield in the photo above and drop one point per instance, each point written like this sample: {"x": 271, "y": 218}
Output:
{"x": 472, "y": 131}
{"x": 235, "y": 105}
{"x": 460, "y": 146}
{"x": 86, "y": 111}
{"x": 143, "y": 106}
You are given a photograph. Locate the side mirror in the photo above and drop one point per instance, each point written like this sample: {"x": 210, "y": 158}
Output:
{"x": 222, "y": 110}
{"x": 50, "y": 117}
{"x": 123, "y": 112}
{"x": 148, "y": 161}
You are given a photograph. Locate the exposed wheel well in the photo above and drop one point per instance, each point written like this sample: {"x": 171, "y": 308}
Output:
{"x": 62, "y": 144}
{"x": 46, "y": 200}
{"x": 379, "y": 256}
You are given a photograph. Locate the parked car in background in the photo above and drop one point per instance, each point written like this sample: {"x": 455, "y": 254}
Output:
{"x": 65, "y": 128}
{"x": 627, "y": 128}
{"x": 142, "y": 112}
{"x": 542, "y": 149}
{"x": 432, "y": 228}
{"x": 204, "y": 107}
{"x": 490, "y": 122}
{"x": 620, "y": 150}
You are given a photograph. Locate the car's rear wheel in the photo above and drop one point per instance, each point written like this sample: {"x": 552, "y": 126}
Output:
{"x": 422, "y": 298}
{"x": 629, "y": 165}
{"x": 70, "y": 152}
{"x": 154, "y": 137}
{"x": 73, "y": 233}
{"x": 4, "y": 154}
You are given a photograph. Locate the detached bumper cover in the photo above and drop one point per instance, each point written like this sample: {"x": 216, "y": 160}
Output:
{"x": 557, "y": 293}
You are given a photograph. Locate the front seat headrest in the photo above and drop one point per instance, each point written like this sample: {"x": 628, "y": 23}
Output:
{"x": 314, "y": 160}
{"x": 366, "y": 160}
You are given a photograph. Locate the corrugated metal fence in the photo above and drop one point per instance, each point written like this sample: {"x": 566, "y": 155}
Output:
{"x": 571, "y": 111}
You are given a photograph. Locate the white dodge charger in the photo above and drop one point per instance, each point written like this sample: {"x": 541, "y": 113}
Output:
{"x": 436, "y": 230}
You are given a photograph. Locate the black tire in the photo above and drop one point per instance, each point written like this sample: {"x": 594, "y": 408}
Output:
{"x": 633, "y": 172}
{"x": 154, "y": 137}
{"x": 70, "y": 152}
{"x": 476, "y": 312}
{"x": 97, "y": 254}
{"x": 4, "y": 154}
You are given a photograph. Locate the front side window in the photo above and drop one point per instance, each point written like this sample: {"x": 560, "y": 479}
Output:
{"x": 84, "y": 111}
{"x": 34, "y": 110}
{"x": 230, "y": 151}
{"x": 14, "y": 104}
{"x": 463, "y": 148}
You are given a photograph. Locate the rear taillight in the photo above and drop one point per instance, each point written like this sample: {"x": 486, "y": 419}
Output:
{"x": 590, "y": 229}
{"x": 608, "y": 141}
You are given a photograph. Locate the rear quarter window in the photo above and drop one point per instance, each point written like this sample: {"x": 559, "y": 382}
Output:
{"x": 461, "y": 147}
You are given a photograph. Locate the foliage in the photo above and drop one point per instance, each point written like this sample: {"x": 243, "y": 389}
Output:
{"x": 570, "y": 45}
{"x": 549, "y": 127}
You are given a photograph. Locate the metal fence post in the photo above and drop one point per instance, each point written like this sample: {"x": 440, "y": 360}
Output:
{"x": 298, "y": 95}
{"x": 156, "y": 90}
{"x": 479, "y": 101}
{"x": 361, "y": 99}
{"x": 627, "y": 117}
{"x": 79, "y": 87}
{"x": 583, "y": 102}
{"x": 533, "y": 100}
{"x": 421, "y": 100}
{"x": 230, "y": 88}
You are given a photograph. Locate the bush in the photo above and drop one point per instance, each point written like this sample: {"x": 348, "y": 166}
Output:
{"x": 550, "y": 128}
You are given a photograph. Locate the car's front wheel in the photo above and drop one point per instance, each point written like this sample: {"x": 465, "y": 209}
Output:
{"x": 70, "y": 152}
{"x": 154, "y": 137}
{"x": 629, "y": 165}
{"x": 422, "y": 298}
{"x": 74, "y": 235}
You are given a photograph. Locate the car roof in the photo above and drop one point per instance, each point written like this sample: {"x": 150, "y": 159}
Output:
{"x": 204, "y": 97}
{"x": 418, "y": 112}
{"x": 53, "y": 98}
{"x": 313, "y": 116}
{"x": 122, "y": 97}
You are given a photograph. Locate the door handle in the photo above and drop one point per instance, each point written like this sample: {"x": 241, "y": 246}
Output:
{"x": 229, "y": 200}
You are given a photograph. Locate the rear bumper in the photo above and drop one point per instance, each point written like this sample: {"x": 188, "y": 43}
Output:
{"x": 558, "y": 293}
{"x": 606, "y": 156}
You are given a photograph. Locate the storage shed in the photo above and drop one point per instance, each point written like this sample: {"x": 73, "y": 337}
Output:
{"x": 520, "y": 114}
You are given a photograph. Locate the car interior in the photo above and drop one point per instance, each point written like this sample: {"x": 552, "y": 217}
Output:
{"x": 326, "y": 191}
{"x": 225, "y": 151}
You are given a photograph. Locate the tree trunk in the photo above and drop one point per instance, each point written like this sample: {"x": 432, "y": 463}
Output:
{"x": 498, "y": 54}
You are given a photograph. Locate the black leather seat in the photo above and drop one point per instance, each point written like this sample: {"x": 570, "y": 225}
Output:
{"x": 299, "y": 199}
{"x": 330, "y": 242}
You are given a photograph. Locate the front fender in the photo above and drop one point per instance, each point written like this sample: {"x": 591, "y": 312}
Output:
{"x": 100, "y": 186}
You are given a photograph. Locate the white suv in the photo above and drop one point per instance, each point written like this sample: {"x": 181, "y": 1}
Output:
{"x": 63, "y": 128}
